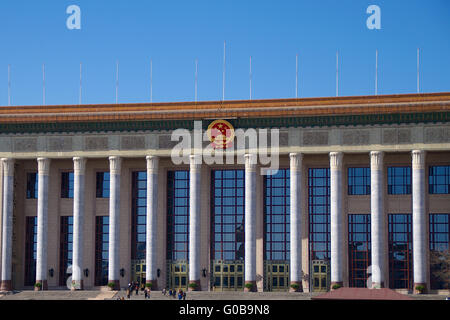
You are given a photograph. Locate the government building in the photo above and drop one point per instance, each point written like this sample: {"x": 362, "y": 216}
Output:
{"x": 90, "y": 196}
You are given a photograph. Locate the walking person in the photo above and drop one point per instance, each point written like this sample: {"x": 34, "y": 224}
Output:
{"x": 128, "y": 293}
{"x": 137, "y": 288}
{"x": 164, "y": 291}
{"x": 184, "y": 295}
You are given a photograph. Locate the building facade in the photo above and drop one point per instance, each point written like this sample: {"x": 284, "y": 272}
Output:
{"x": 90, "y": 196}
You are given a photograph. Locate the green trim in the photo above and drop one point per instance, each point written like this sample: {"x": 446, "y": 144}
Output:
{"x": 317, "y": 121}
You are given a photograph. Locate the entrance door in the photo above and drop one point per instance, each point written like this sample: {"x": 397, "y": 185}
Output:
{"x": 277, "y": 276}
{"x": 138, "y": 272}
{"x": 320, "y": 275}
{"x": 228, "y": 275}
{"x": 178, "y": 275}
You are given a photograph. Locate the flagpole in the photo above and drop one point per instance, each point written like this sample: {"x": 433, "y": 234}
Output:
{"x": 117, "y": 81}
{"x": 376, "y": 72}
{"x": 296, "y": 76}
{"x": 80, "y": 94}
{"x": 43, "y": 84}
{"x": 250, "y": 77}
{"x": 196, "y": 78}
{"x": 9, "y": 84}
{"x": 337, "y": 73}
{"x": 418, "y": 70}
{"x": 223, "y": 73}
{"x": 151, "y": 81}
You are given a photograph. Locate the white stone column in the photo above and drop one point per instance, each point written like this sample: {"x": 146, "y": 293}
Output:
{"x": 152, "y": 223}
{"x": 194, "y": 220}
{"x": 115, "y": 164}
{"x": 419, "y": 219}
{"x": 377, "y": 218}
{"x": 79, "y": 165}
{"x": 42, "y": 222}
{"x": 295, "y": 221}
{"x": 250, "y": 221}
{"x": 336, "y": 219}
{"x": 7, "y": 223}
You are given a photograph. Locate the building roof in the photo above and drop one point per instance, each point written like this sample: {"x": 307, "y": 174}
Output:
{"x": 380, "y": 109}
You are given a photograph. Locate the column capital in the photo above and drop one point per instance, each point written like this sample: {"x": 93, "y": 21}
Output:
{"x": 296, "y": 161}
{"x": 250, "y": 161}
{"x": 79, "y": 165}
{"x": 8, "y": 166}
{"x": 418, "y": 159}
{"x": 43, "y": 166}
{"x": 152, "y": 164}
{"x": 336, "y": 160}
{"x": 376, "y": 160}
{"x": 195, "y": 161}
{"x": 115, "y": 164}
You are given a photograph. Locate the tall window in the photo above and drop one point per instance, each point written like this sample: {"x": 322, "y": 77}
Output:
{"x": 358, "y": 249}
{"x": 276, "y": 214}
{"x": 178, "y": 215}
{"x": 319, "y": 213}
{"x": 400, "y": 251}
{"x": 30, "y": 251}
{"x": 101, "y": 250}
{"x": 439, "y": 180}
{"x": 67, "y": 185}
{"x": 102, "y": 185}
{"x": 399, "y": 180}
{"x": 139, "y": 216}
{"x": 227, "y": 214}
{"x": 66, "y": 248}
{"x": 32, "y": 185}
{"x": 439, "y": 251}
{"x": 358, "y": 181}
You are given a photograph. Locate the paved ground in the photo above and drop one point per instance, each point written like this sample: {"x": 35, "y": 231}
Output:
{"x": 202, "y": 295}
{"x": 59, "y": 295}
{"x": 157, "y": 295}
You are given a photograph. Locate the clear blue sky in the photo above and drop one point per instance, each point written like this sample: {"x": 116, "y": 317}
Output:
{"x": 175, "y": 33}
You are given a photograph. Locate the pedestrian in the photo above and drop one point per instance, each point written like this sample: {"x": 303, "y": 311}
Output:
{"x": 137, "y": 288}
{"x": 184, "y": 295}
{"x": 180, "y": 294}
{"x": 128, "y": 293}
{"x": 148, "y": 292}
{"x": 170, "y": 292}
{"x": 164, "y": 291}
{"x": 174, "y": 293}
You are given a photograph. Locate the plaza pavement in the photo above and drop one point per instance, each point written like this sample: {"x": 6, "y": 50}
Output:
{"x": 157, "y": 295}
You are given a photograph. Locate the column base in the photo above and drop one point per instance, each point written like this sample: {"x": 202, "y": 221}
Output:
{"x": 377, "y": 285}
{"x": 194, "y": 285}
{"x": 153, "y": 284}
{"x": 250, "y": 286}
{"x": 420, "y": 288}
{"x": 296, "y": 286}
{"x": 6, "y": 285}
{"x": 336, "y": 285}
{"x": 114, "y": 285}
{"x": 77, "y": 285}
{"x": 40, "y": 285}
